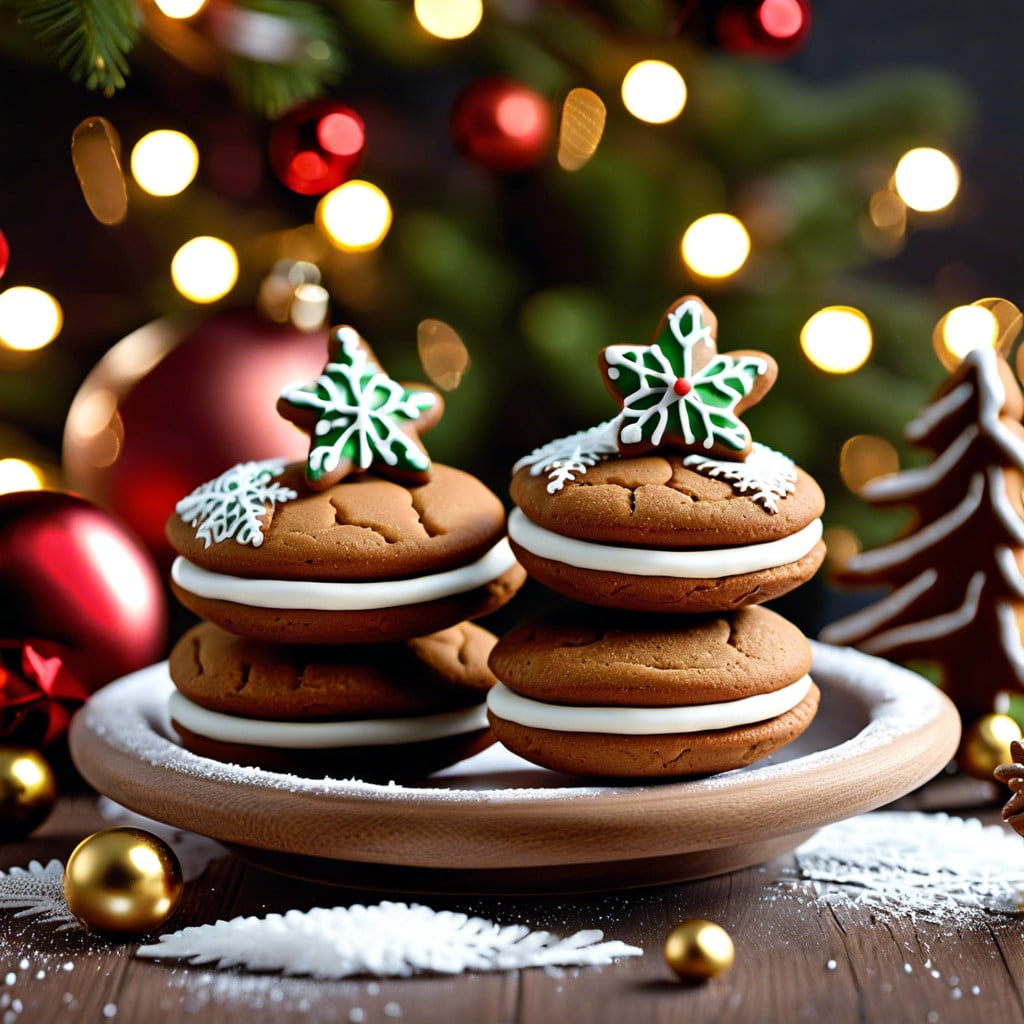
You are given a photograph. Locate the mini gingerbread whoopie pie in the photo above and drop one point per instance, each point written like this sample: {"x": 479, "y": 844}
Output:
{"x": 367, "y": 542}
{"x": 616, "y": 694}
{"x": 387, "y": 711}
{"x": 670, "y": 506}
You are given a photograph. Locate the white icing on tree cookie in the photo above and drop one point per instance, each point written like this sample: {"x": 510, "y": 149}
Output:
{"x": 567, "y": 458}
{"x": 233, "y": 506}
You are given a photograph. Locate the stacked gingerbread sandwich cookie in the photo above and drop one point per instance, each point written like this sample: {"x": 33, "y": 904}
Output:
{"x": 667, "y": 527}
{"x": 336, "y": 594}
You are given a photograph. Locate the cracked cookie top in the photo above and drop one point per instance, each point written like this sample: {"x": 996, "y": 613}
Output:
{"x": 364, "y": 528}
{"x": 656, "y": 500}
{"x": 431, "y": 674}
{"x": 613, "y": 658}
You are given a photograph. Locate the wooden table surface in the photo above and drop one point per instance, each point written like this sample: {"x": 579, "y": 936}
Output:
{"x": 796, "y": 959}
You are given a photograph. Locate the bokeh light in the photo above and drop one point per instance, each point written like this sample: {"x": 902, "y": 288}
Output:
{"x": 963, "y": 329}
{"x": 841, "y": 544}
{"x": 654, "y": 91}
{"x": 19, "y": 475}
{"x": 580, "y": 129}
{"x": 204, "y": 269}
{"x": 443, "y": 354}
{"x": 781, "y": 19}
{"x": 29, "y": 318}
{"x": 164, "y": 162}
{"x": 355, "y": 216}
{"x": 865, "y": 457}
{"x": 716, "y": 245}
{"x": 449, "y": 19}
{"x": 180, "y": 9}
{"x": 888, "y": 212}
{"x": 837, "y": 339}
{"x": 926, "y": 179}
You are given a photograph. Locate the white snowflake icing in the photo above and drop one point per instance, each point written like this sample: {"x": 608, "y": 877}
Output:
{"x": 565, "y": 458}
{"x": 769, "y": 474}
{"x": 37, "y": 891}
{"x": 361, "y": 410}
{"x": 387, "y": 940}
{"x": 234, "y": 504}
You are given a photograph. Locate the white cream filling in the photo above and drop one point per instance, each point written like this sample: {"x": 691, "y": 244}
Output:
{"x": 535, "y": 714}
{"x": 712, "y": 563}
{"x": 329, "y": 596}
{"x": 367, "y": 732}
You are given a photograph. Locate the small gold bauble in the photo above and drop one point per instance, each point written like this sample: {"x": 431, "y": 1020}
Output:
{"x": 28, "y": 791}
{"x": 122, "y": 880}
{"x": 697, "y": 950}
{"x": 986, "y": 745}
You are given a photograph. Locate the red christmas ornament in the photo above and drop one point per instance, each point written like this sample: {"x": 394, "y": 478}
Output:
{"x": 167, "y": 409}
{"x": 5, "y": 253}
{"x": 38, "y": 695}
{"x": 501, "y": 125}
{"x": 767, "y": 28}
{"x": 78, "y": 587}
{"x": 314, "y": 147}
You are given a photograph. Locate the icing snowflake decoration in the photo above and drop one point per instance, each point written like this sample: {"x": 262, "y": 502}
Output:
{"x": 386, "y": 940}
{"x": 566, "y": 458}
{"x": 358, "y": 416}
{"x": 680, "y": 392}
{"x": 37, "y": 891}
{"x": 233, "y": 506}
{"x": 766, "y": 475}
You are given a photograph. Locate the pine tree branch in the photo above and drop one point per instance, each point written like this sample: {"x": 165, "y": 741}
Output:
{"x": 91, "y": 38}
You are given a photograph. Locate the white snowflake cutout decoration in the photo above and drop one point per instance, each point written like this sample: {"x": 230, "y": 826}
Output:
{"x": 37, "y": 891}
{"x": 566, "y": 458}
{"x": 769, "y": 474}
{"x": 386, "y": 940}
{"x": 679, "y": 391}
{"x": 233, "y": 505}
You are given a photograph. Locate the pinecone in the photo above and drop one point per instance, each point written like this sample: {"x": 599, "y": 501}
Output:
{"x": 1013, "y": 776}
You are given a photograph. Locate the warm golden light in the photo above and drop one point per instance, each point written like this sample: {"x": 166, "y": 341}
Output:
{"x": 865, "y": 457}
{"x": 927, "y": 179}
{"x": 837, "y": 339}
{"x": 841, "y": 544}
{"x": 29, "y": 318}
{"x": 965, "y": 328}
{"x": 716, "y": 245}
{"x": 19, "y": 475}
{"x": 204, "y": 269}
{"x": 449, "y": 19}
{"x": 654, "y": 91}
{"x": 443, "y": 354}
{"x": 888, "y": 212}
{"x": 164, "y": 162}
{"x": 180, "y": 9}
{"x": 580, "y": 129}
{"x": 355, "y": 216}
{"x": 26, "y": 770}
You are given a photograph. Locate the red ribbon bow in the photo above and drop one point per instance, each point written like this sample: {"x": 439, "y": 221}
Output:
{"x": 38, "y": 695}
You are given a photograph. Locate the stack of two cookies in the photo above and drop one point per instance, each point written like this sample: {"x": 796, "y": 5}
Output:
{"x": 335, "y": 595}
{"x": 666, "y": 527}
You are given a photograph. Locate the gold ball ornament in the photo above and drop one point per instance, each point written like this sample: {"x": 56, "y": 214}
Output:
{"x": 986, "y": 745}
{"x": 28, "y": 791}
{"x": 122, "y": 880}
{"x": 697, "y": 950}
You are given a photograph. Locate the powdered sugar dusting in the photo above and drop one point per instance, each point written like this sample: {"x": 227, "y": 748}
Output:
{"x": 929, "y": 866}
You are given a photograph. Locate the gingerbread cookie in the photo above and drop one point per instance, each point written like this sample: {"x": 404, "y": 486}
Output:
{"x": 397, "y": 710}
{"x": 617, "y": 695}
{"x": 367, "y": 560}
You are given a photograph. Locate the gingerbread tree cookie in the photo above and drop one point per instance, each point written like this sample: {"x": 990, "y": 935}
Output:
{"x": 957, "y": 597}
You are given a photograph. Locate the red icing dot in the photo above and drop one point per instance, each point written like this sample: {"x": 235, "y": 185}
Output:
{"x": 682, "y": 386}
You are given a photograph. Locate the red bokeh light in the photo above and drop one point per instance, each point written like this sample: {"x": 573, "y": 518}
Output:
{"x": 781, "y": 19}
{"x": 341, "y": 134}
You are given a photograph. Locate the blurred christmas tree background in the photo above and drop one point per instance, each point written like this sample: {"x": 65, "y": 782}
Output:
{"x": 498, "y": 221}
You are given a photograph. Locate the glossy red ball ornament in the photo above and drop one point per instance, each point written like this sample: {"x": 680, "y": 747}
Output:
{"x": 501, "y": 125}
{"x": 170, "y": 407}
{"x": 78, "y": 587}
{"x": 314, "y": 147}
{"x": 5, "y": 253}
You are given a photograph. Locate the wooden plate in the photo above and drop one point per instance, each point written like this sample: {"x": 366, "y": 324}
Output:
{"x": 495, "y": 824}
